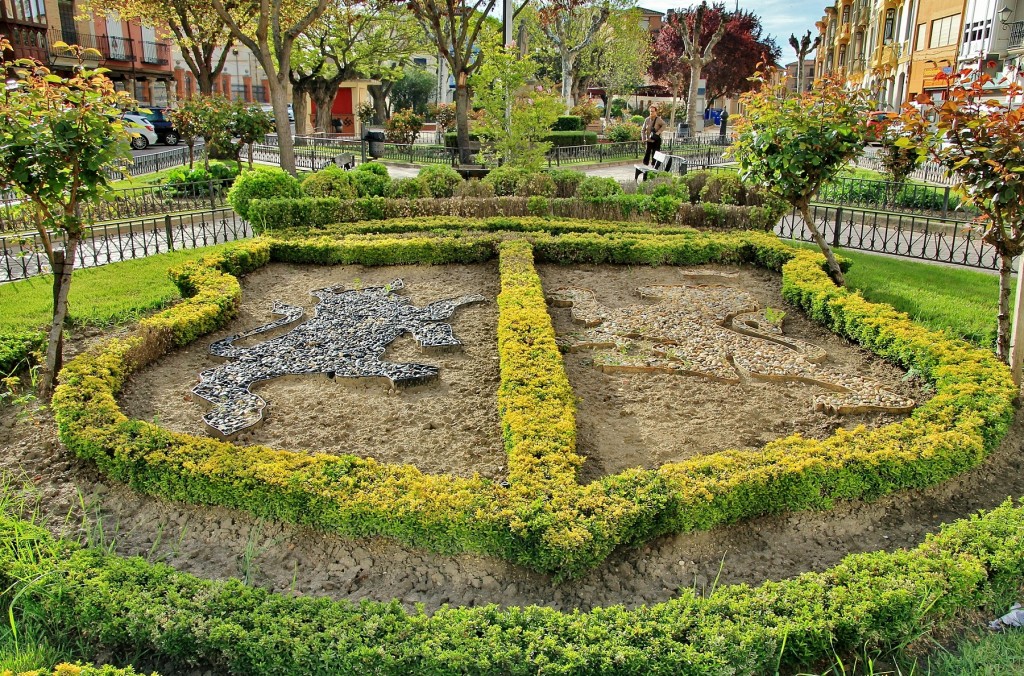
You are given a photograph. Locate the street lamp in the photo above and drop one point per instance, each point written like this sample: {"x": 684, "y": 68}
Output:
{"x": 1004, "y": 16}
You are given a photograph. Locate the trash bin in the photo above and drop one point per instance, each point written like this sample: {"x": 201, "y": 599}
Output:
{"x": 376, "y": 140}
{"x": 683, "y": 130}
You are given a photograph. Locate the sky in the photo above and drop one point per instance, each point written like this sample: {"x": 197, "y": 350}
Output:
{"x": 779, "y": 17}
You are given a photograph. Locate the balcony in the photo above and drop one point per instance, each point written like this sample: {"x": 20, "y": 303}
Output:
{"x": 844, "y": 33}
{"x": 115, "y": 52}
{"x": 1016, "y": 35}
{"x": 28, "y": 40}
{"x": 156, "y": 53}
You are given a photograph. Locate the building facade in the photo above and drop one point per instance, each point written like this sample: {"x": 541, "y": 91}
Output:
{"x": 139, "y": 62}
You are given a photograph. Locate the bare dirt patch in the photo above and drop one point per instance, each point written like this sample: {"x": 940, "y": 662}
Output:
{"x": 648, "y": 420}
{"x": 447, "y": 426}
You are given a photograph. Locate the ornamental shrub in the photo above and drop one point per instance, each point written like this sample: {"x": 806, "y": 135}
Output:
{"x": 330, "y": 182}
{"x": 537, "y": 185}
{"x": 568, "y": 123}
{"x": 598, "y": 186}
{"x": 474, "y": 188}
{"x": 587, "y": 111}
{"x": 623, "y": 132}
{"x": 566, "y": 181}
{"x": 637, "y": 119}
{"x": 722, "y": 188}
{"x": 263, "y": 184}
{"x": 442, "y": 180}
{"x": 665, "y": 184}
{"x": 407, "y": 188}
{"x": 371, "y": 179}
{"x": 374, "y": 168}
{"x": 403, "y": 127}
{"x": 562, "y": 139}
{"x": 506, "y": 181}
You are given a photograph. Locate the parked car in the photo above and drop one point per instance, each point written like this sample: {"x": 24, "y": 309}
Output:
{"x": 142, "y": 130}
{"x": 269, "y": 110}
{"x": 163, "y": 126}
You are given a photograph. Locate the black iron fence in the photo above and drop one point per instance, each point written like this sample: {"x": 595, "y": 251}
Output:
{"x": 929, "y": 172}
{"x": 17, "y": 215}
{"x": 23, "y": 256}
{"x": 939, "y": 201}
{"x": 912, "y": 236}
{"x": 147, "y": 164}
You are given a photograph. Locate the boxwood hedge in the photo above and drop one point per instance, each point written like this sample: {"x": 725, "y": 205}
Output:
{"x": 543, "y": 518}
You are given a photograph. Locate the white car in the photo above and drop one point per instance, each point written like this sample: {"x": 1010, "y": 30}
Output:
{"x": 142, "y": 131}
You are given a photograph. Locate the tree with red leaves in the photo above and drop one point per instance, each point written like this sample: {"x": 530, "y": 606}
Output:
{"x": 731, "y": 61}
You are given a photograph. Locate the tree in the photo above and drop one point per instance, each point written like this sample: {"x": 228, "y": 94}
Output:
{"x": 517, "y": 117}
{"x": 210, "y": 118}
{"x": 370, "y": 39}
{"x": 734, "y": 58}
{"x": 413, "y": 90}
{"x": 249, "y": 125}
{"x": 269, "y": 28}
{"x": 454, "y": 27}
{"x": 791, "y": 145}
{"x": 622, "y": 55}
{"x": 802, "y": 47}
{"x": 572, "y": 26}
{"x": 980, "y": 146}
{"x": 58, "y": 136}
{"x": 698, "y": 46}
{"x": 188, "y": 122}
{"x": 195, "y": 26}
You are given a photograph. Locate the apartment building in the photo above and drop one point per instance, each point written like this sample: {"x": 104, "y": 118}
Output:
{"x": 867, "y": 42}
{"x": 138, "y": 61}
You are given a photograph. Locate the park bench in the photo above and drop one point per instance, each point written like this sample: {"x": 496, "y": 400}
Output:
{"x": 345, "y": 160}
{"x": 662, "y": 162}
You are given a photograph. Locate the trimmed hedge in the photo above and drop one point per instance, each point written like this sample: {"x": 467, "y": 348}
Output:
{"x": 555, "y": 138}
{"x": 306, "y": 214}
{"x": 868, "y": 602}
{"x": 544, "y": 519}
{"x": 79, "y": 669}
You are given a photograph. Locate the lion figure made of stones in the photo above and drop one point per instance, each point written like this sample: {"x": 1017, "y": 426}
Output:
{"x": 718, "y": 332}
{"x": 349, "y": 331}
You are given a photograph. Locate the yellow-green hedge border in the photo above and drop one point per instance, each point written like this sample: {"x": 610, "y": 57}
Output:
{"x": 544, "y": 519}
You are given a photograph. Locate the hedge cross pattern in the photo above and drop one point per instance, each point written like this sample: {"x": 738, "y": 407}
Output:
{"x": 345, "y": 338}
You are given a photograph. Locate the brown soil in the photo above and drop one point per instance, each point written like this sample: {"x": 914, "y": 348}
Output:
{"x": 447, "y": 426}
{"x": 648, "y": 420}
{"x": 212, "y": 542}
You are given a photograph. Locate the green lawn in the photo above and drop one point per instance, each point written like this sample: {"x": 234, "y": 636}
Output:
{"x": 158, "y": 177}
{"x": 988, "y": 655}
{"x": 110, "y": 294}
{"x": 958, "y": 300}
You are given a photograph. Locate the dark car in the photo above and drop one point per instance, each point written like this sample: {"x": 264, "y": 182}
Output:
{"x": 165, "y": 131}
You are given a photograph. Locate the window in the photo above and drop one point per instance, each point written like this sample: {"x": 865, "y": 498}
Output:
{"x": 978, "y": 30}
{"x": 944, "y": 31}
{"x": 238, "y": 92}
{"x": 258, "y": 93}
{"x": 420, "y": 61}
{"x": 846, "y": 14}
{"x": 890, "y": 26}
{"x": 922, "y": 32}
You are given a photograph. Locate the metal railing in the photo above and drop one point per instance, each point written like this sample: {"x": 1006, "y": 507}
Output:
{"x": 930, "y": 172}
{"x": 147, "y": 164}
{"x": 1016, "y": 35}
{"x": 926, "y": 200}
{"x": 310, "y": 158}
{"x": 23, "y": 256}
{"x": 906, "y": 235}
{"x": 130, "y": 203}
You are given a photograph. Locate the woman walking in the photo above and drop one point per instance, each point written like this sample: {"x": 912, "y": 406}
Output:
{"x": 650, "y": 133}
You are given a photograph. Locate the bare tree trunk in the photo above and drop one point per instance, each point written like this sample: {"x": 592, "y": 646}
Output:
{"x": 691, "y": 97}
{"x": 62, "y": 263}
{"x": 300, "y": 107}
{"x": 675, "y": 103}
{"x": 205, "y": 82}
{"x": 285, "y": 142}
{"x": 835, "y": 272}
{"x": 462, "y": 118}
{"x": 568, "y": 61}
{"x": 1003, "y": 328}
{"x": 191, "y": 153}
{"x": 378, "y": 97}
